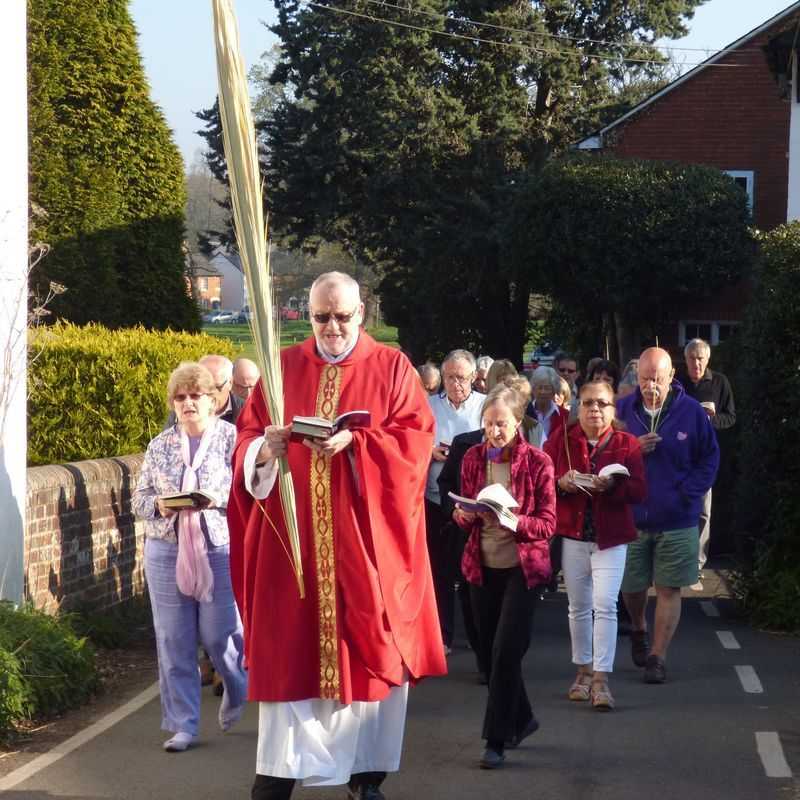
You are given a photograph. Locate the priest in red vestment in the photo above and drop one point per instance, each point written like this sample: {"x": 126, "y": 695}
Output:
{"x": 331, "y": 671}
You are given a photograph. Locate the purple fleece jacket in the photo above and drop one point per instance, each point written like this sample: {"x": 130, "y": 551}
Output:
{"x": 683, "y": 466}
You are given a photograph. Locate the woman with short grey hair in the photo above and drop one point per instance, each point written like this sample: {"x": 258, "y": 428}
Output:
{"x": 545, "y": 383}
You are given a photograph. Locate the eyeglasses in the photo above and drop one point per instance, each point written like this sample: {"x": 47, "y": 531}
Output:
{"x": 193, "y": 396}
{"x": 601, "y": 404}
{"x": 325, "y": 317}
{"x": 461, "y": 381}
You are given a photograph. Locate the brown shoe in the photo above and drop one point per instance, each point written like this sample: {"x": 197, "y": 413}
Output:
{"x": 640, "y": 647}
{"x": 655, "y": 670}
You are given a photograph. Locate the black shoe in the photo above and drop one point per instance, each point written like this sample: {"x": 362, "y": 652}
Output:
{"x": 491, "y": 759}
{"x": 366, "y": 786}
{"x": 640, "y": 647}
{"x": 654, "y": 670}
{"x": 518, "y": 738}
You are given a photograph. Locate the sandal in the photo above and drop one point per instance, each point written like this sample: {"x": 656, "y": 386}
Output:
{"x": 602, "y": 699}
{"x": 581, "y": 688}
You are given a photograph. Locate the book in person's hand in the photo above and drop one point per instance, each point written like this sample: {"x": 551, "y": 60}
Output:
{"x": 321, "y": 428}
{"x": 494, "y": 498}
{"x": 194, "y": 499}
{"x": 588, "y": 481}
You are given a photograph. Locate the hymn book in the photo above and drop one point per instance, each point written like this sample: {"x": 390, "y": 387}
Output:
{"x": 494, "y": 498}
{"x": 182, "y": 500}
{"x": 587, "y": 481}
{"x": 321, "y": 428}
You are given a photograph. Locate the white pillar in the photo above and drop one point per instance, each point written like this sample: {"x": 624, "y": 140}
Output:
{"x": 794, "y": 147}
{"x": 13, "y": 296}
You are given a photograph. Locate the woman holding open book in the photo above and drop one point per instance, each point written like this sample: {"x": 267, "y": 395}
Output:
{"x": 505, "y": 559}
{"x": 600, "y": 475}
{"x": 182, "y": 495}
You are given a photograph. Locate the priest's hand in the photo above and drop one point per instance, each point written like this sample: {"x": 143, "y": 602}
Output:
{"x": 276, "y": 439}
{"x": 332, "y": 445}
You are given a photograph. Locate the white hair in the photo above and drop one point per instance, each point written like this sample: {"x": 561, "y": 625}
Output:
{"x": 484, "y": 362}
{"x": 336, "y": 279}
{"x": 463, "y": 355}
{"x": 697, "y": 344}
{"x": 546, "y": 375}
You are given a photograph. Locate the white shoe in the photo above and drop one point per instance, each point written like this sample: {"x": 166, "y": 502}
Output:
{"x": 228, "y": 717}
{"x": 697, "y": 587}
{"x": 178, "y": 743}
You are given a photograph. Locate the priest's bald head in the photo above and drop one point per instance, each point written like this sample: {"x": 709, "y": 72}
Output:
{"x": 336, "y": 312}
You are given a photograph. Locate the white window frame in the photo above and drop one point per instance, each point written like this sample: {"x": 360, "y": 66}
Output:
{"x": 715, "y": 325}
{"x": 750, "y": 178}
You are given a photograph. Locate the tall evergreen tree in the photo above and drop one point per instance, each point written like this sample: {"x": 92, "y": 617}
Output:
{"x": 408, "y": 128}
{"x": 105, "y": 169}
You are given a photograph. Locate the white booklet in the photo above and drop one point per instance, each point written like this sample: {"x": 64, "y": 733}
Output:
{"x": 494, "y": 498}
{"x": 587, "y": 481}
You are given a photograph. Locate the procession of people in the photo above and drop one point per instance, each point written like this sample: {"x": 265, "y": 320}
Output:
{"x": 461, "y": 480}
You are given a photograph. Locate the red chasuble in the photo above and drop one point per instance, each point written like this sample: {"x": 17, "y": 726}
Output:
{"x": 370, "y": 610}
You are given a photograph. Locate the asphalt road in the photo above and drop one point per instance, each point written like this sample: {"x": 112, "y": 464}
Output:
{"x": 693, "y": 737}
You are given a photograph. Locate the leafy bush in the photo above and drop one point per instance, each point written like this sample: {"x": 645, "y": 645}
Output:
{"x": 115, "y": 627}
{"x": 44, "y": 667}
{"x": 768, "y": 501}
{"x": 96, "y": 393}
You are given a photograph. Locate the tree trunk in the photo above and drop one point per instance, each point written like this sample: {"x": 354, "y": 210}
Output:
{"x": 627, "y": 339}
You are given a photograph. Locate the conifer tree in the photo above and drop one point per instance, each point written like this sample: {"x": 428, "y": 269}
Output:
{"x": 105, "y": 169}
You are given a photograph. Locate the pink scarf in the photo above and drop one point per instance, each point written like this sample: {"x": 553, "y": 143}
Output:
{"x": 192, "y": 570}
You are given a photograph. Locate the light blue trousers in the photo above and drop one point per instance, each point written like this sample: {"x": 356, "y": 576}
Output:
{"x": 180, "y": 623}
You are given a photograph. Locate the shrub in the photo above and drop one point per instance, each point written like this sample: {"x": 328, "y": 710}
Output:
{"x": 95, "y": 393}
{"x": 44, "y": 667}
{"x": 768, "y": 502}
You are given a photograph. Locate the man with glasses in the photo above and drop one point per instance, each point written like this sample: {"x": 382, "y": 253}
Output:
{"x": 456, "y": 410}
{"x": 245, "y": 378}
{"x": 681, "y": 458}
{"x": 567, "y": 367}
{"x": 331, "y": 671}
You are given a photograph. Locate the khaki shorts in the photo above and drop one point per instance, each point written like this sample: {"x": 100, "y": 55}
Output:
{"x": 663, "y": 558}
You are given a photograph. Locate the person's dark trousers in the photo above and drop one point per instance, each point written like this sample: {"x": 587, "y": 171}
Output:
{"x": 366, "y": 784}
{"x": 439, "y": 551}
{"x": 470, "y": 623}
{"x": 268, "y": 787}
{"x": 503, "y": 608}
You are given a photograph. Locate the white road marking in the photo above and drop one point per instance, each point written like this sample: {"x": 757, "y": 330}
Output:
{"x": 709, "y": 609}
{"x": 750, "y": 682}
{"x": 74, "y": 742}
{"x": 728, "y": 640}
{"x": 769, "y": 748}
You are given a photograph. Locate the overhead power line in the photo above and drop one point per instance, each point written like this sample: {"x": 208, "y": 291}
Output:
{"x": 545, "y": 34}
{"x": 515, "y": 45}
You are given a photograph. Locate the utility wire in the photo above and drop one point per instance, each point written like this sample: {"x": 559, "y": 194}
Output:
{"x": 564, "y": 37}
{"x": 517, "y": 45}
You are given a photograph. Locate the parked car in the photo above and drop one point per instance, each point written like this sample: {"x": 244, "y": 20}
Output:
{"x": 209, "y": 316}
{"x": 225, "y": 317}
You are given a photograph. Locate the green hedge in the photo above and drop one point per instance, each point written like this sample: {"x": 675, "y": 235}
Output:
{"x": 768, "y": 382}
{"x": 45, "y": 668}
{"x": 95, "y": 393}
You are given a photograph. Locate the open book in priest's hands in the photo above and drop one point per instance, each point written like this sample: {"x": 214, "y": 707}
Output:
{"x": 588, "y": 481}
{"x": 494, "y": 498}
{"x": 321, "y": 428}
{"x": 194, "y": 499}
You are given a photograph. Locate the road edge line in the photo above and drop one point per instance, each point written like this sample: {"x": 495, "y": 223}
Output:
{"x": 74, "y": 742}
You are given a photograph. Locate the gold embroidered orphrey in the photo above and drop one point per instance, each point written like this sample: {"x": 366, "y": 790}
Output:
{"x": 322, "y": 521}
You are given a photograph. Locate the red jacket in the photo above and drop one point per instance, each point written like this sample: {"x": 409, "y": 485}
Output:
{"x": 612, "y": 513}
{"x": 533, "y": 488}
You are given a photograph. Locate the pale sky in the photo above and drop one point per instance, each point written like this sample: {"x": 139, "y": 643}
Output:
{"x": 176, "y": 43}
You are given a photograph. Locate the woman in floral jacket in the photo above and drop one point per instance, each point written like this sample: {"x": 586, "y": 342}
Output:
{"x": 186, "y": 556}
{"x": 503, "y": 566}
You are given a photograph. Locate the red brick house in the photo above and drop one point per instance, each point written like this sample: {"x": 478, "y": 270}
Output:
{"x": 737, "y": 111}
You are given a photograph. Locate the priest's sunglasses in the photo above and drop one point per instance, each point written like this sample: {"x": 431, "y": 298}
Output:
{"x": 323, "y": 318}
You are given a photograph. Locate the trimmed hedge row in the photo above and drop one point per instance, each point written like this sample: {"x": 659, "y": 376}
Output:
{"x": 768, "y": 385}
{"x": 96, "y": 393}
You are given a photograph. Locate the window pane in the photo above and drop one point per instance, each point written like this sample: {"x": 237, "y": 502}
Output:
{"x": 725, "y": 331}
{"x": 698, "y": 330}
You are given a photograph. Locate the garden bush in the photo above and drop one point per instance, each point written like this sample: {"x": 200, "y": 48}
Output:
{"x": 45, "y": 668}
{"x": 768, "y": 387}
{"x": 96, "y": 393}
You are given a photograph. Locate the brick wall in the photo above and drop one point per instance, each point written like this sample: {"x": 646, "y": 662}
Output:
{"x": 83, "y": 546}
{"x": 730, "y": 117}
